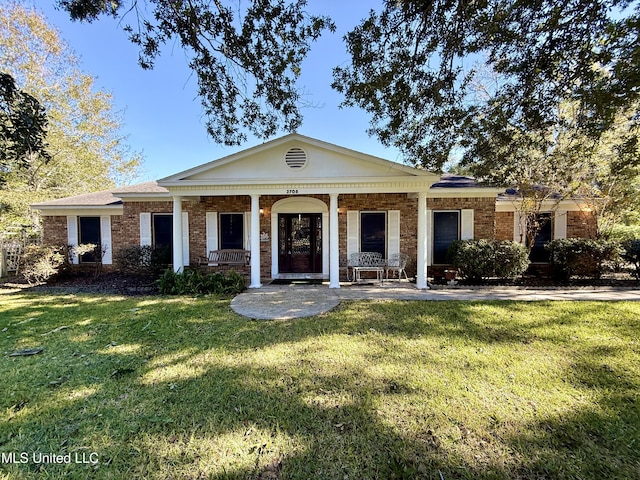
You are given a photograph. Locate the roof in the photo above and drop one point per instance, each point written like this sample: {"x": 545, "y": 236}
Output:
{"x": 147, "y": 187}
{"x": 104, "y": 198}
{"x": 95, "y": 199}
{"x": 258, "y": 164}
{"x": 450, "y": 180}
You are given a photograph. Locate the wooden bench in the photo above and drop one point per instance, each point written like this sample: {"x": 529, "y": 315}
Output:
{"x": 226, "y": 258}
{"x": 366, "y": 262}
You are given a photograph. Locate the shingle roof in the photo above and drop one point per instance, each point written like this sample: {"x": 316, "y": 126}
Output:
{"x": 103, "y": 198}
{"x": 95, "y": 199}
{"x": 147, "y": 187}
{"x": 449, "y": 180}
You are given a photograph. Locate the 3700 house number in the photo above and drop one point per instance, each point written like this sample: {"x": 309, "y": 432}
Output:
{"x": 292, "y": 191}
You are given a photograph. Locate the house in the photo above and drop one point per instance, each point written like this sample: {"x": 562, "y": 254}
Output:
{"x": 300, "y": 206}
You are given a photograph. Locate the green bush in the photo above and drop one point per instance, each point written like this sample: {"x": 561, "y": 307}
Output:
{"x": 511, "y": 259}
{"x": 581, "y": 257}
{"x": 141, "y": 259}
{"x": 39, "y": 263}
{"x": 477, "y": 260}
{"x": 624, "y": 233}
{"x": 631, "y": 254}
{"x": 196, "y": 282}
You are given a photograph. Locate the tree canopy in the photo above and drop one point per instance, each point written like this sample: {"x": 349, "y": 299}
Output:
{"x": 85, "y": 149}
{"x": 417, "y": 64}
{"x": 246, "y": 59}
{"x": 23, "y": 127}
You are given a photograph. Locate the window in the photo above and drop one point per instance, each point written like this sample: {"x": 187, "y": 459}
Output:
{"x": 373, "y": 232}
{"x": 446, "y": 230}
{"x": 89, "y": 233}
{"x": 538, "y": 253}
{"x": 163, "y": 236}
{"x": 231, "y": 231}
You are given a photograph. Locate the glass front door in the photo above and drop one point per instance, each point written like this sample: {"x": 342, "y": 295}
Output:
{"x": 300, "y": 243}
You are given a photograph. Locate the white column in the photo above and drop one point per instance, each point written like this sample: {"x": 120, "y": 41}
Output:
{"x": 334, "y": 253}
{"x": 177, "y": 234}
{"x": 421, "y": 261}
{"x": 255, "y": 242}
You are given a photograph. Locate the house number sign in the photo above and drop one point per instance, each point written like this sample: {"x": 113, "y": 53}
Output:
{"x": 292, "y": 191}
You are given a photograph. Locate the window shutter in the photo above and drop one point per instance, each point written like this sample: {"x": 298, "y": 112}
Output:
{"x": 145, "y": 229}
{"x": 393, "y": 232}
{"x": 212, "y": 231}
{"x": 353, "y": 232}
{"x": 519, "y": 228}
{"x": 560, "y": 225}
{"x": 105, "y": 239}
{"x": 185, "y": 238}
{"x": 72, "y": 236}
{"x": 247, "y": 230}
{"x": 466, "y": 224}
{"x": 429, "y": 237}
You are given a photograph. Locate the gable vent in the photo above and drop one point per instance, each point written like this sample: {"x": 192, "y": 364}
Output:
{"x": 295, "y": 158}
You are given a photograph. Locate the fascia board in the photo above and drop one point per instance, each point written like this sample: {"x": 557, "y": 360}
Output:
{"x": 57, "y": 210}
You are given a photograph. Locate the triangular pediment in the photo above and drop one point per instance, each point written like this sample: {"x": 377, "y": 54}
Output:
{"x": 294, "y": 158}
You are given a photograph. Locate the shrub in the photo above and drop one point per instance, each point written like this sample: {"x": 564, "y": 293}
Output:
{"x": 96, "y": 252}
{"x": 581, "y": 257}
{"x": 511, "y": 259}
{"x": 631, "y": 254}
{"x": 478, "y": 260}
{"x": 624, "y": 233}
{"x": 141, "y": 259}
{"x": 472, "y": 258}
{"x": 196, "y": 282}
{"x": 40, "y": 262}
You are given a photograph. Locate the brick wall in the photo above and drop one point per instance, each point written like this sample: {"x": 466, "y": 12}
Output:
{"x": 484, "y": 215}
{"x": 581, "y": 225}
{"x": 504, "y": 225}
{"x": 54, "y": 230}
{"x": 382, "y": 202}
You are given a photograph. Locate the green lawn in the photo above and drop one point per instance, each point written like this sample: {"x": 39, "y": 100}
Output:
{"x": 186, "y": 389}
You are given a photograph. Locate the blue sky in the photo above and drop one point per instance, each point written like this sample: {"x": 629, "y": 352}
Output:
{"x": 162, "y": 114}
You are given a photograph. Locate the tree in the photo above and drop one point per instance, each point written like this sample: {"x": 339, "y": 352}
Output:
{"x": 85, "y": 149}
{"x": 23, "y": 127}
{"x": 413, "y": 68}
{"x": 246, "y": 60}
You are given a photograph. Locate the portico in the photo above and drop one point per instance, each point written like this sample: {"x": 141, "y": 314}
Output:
{"x": 306, "y": 199}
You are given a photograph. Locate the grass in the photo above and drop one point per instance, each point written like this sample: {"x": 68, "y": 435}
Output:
{"x": 186, "y": 389}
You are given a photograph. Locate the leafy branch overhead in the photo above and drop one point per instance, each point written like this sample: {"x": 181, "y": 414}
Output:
{"x": 417, "y": 67}
{"x": 23, "y": 126}
{"x": 246, "y": 60}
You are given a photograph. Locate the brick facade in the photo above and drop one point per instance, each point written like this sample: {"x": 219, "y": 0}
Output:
{"x": 504, "y": 225}
{"x": 581, "y": 225}
{"x": 484, "y": 215}
{"x": 54, "y": 230}
{"x": 488, "y": 223}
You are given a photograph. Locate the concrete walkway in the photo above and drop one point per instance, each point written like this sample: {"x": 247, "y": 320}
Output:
{"x": 273, "y": 302}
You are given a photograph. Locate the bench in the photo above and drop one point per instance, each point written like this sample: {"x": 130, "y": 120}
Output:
{"x": 366, "y": 262}
{"x": 226, "y": 258}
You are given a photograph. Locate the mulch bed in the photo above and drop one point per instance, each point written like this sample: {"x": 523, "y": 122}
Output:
{"x": 106, "y": 283}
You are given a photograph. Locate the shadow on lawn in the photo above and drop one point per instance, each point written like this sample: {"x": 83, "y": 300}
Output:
{"x": 152, "y": 422}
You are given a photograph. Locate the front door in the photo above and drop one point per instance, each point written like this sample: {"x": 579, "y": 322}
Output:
{"x": 300, "y": 243}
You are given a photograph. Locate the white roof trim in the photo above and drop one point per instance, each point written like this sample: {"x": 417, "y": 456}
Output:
{"x": 89, "y": 210}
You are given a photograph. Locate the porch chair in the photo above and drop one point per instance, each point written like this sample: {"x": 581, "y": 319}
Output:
{"x": 367, "y": 262}
{"x": 397, "y": 262}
